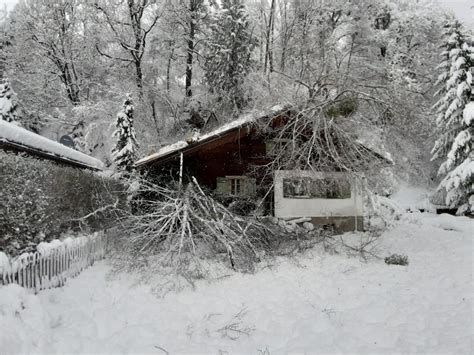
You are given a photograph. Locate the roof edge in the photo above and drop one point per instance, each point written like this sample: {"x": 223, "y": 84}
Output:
{"x": 207, "y": 137}
{"x": 45, "y": 154}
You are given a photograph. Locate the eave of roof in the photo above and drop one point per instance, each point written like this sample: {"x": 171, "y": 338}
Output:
{"x": 14, "y": 137}
{"x": 5, "y": 144}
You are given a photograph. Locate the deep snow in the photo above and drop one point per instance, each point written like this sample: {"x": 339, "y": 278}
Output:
{"x": 315, "y": 303}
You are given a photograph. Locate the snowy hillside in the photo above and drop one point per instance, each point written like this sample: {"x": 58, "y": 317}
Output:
{"x": 315, "y": 303}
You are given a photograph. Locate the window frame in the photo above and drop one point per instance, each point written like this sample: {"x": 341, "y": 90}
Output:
{"x": 241, "y": 179}
{"x": 236, "y": 186}
{"x": 326, "y": 188}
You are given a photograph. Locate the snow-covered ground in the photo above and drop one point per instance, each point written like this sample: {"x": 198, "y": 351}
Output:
{"x": 315, "y": 303}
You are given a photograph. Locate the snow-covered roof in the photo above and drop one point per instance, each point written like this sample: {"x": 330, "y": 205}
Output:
{"x": 244, "y": 120}
{"x": 22, "y": 139}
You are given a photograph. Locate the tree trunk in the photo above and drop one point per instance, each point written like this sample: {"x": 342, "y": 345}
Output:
{"x": 190, "y": 55}
{"x": 262, "y": 38}
{"x": 284, "y": 34}
{"x": 168, "y": 67}
{"x": 268, "y": 49}
{"x": 272, "y": 35}
{"x": 136, "y": 14}
{"x": 139, "y": 77}
{"x": 65, "y": 62}
{"x": 69, "y": 79}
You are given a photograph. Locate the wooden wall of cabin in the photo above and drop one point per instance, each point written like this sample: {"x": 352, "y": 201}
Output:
{"x": 237, "y": 157}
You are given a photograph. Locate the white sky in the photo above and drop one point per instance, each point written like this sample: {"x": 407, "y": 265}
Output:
{"x": 9, "y": 3}
{"x": 463, "y": 9}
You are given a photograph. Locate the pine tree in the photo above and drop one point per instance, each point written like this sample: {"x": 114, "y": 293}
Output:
{"x": 125, "y": 152}
{"x": 454, "y": 124}
{"x": 8, "y": 102}
{"x": 229, "y": 52}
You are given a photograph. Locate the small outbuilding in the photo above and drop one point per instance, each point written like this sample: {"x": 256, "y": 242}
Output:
{"x": 232, "y": 162}
{"x": 20, "y": 140}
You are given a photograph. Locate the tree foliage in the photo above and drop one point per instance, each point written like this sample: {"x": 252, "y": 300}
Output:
{"x": 456, "y": 130}
{"x": 8, "y": 102}
{"x": 124, "y": 153}
{"x": 228, "y": 60}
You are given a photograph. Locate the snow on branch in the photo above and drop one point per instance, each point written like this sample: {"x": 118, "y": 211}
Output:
{"x": 179, "y": 227}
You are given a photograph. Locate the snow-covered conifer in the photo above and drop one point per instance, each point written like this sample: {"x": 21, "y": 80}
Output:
{"x": 124, "y": 153}
{"x": 454, "y": 121}
{"x": 8, "y": 102}
{"x": 229, "y": 52}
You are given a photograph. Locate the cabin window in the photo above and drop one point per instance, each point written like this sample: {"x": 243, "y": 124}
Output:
{"x": 306, "y": 188}
{"x": 236, "y": 186}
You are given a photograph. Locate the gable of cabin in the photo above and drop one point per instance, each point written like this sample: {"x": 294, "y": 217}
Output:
{"x": 235, "y": 150}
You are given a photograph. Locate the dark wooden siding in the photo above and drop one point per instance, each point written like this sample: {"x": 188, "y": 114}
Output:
{"x": 234, "y": 158}
{"x": 230, "y": 155}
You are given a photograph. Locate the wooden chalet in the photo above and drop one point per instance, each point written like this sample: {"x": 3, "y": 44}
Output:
{"x": 221, "y": 159}
{"x": 227, "y": 159}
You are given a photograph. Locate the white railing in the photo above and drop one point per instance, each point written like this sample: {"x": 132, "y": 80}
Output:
{"x": 53, "y": 263}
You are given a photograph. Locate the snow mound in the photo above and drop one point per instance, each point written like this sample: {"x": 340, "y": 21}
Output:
{"x": 413, "y": 198}
{"x": 46, "y": 248}
{"x": 4, "y": 263}
{"x": 23, "y": 322}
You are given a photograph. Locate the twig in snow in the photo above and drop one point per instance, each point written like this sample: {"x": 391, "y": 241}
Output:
{"x": 235, "y": 328}
{"x": 160, "y": 348}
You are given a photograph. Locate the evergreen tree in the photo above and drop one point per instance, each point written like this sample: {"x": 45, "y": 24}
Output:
{"x": 125, "y": 152}
{"x": 8, "y": 102}
{"x": 229, "y": 52}
{"x": 455, "y": 141}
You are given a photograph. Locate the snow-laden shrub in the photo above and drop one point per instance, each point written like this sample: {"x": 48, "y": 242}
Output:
{"x": 396, "y": 259}
{"x": 8, "y": 102}
{"x": 40, "y": 199}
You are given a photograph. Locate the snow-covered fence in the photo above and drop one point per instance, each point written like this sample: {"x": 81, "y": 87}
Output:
{"x": 53, "y": 263}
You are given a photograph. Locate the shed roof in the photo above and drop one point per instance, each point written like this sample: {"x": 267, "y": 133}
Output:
{"x": 17, "y": 138}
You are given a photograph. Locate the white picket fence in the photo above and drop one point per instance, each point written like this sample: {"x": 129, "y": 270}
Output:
{"x": 52, "y": 265}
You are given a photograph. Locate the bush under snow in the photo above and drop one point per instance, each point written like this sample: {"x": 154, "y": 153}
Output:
{"x": 40, "y": 199}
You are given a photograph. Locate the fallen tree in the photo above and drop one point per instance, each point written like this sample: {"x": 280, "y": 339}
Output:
{"x": 182, "y": 226}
